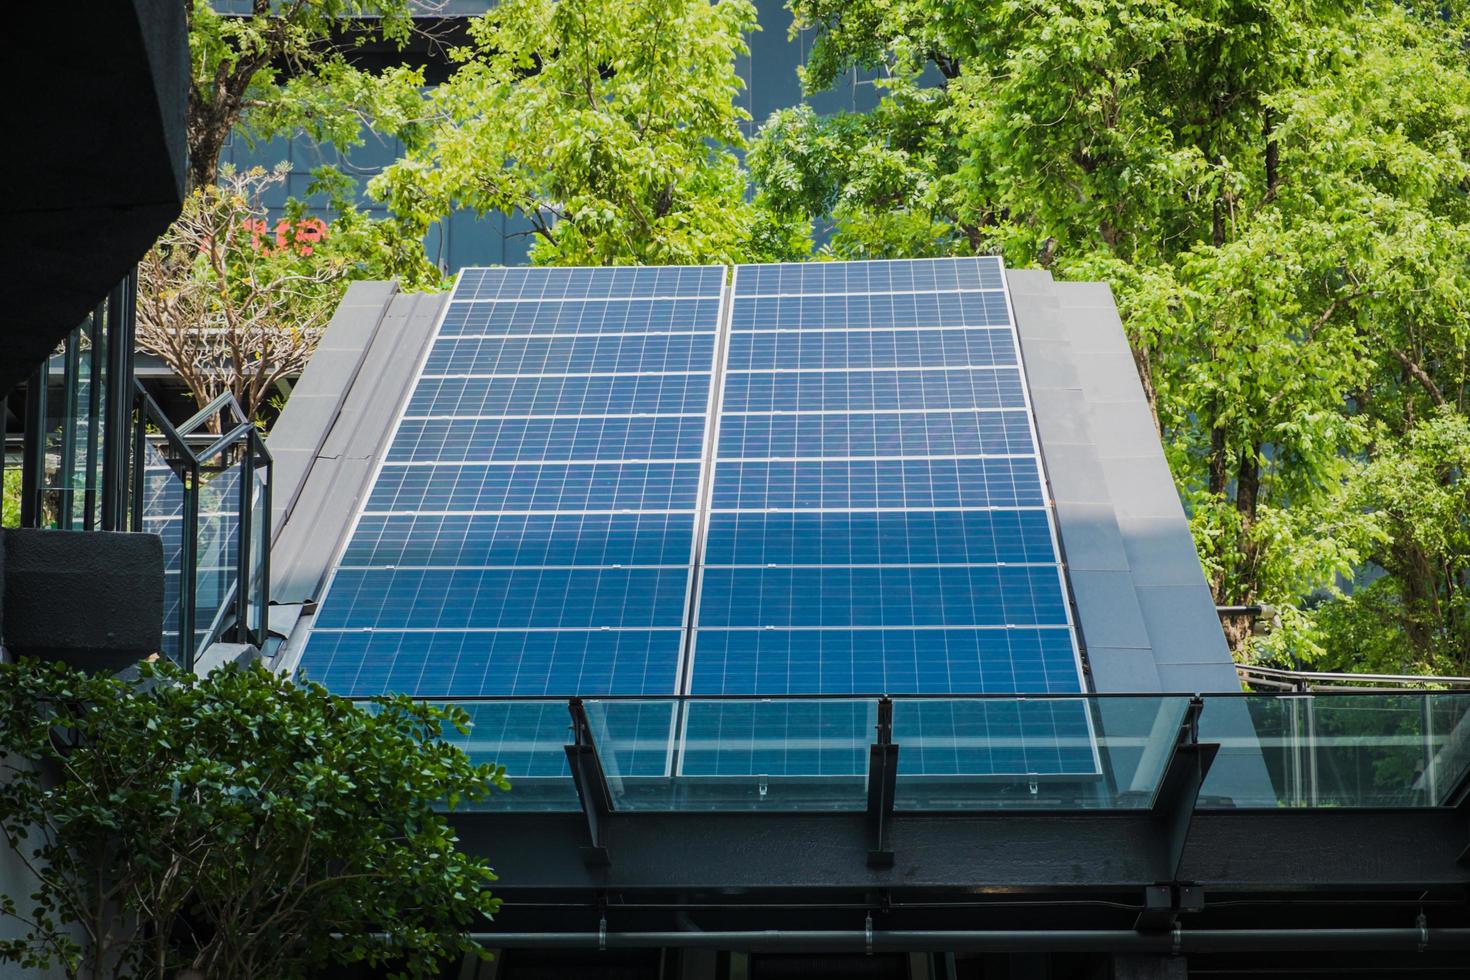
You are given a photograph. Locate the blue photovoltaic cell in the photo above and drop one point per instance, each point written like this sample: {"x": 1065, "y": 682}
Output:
{"x": 536, "y": 487}
{"x": 745, "y": 738}
{"x": 531, "y": 529}
{"x": 615, "y": 354}
{"x": 580, "y": 317}
{"x": 469, "y": 663}
{"x": 878, "y": 523}
{"x": 862, "y": 391}
{"x": 982, "y": 537}
{"x": 793, "y": 350}
{"x": 886, "y": 434}
{"x": 910, "y": 276}
{"x": 513, "y": 439}
{"x": 942, "y": 595}
{"x": 552, "y": 395}
{"x": 898, "y": 661}
{"x": 610, "y": 282}
{"x": 993, "y": 738}
{"x": 498, "y": 598}
{"x": 877, "y": 483}
{"x": 861, "y": 312}
{"x": 515, "y": 540}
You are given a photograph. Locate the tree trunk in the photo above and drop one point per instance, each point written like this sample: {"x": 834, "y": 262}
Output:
{"x": 1273, "y": 155}
{"x": 1217, "y": 461}
{"x": 1143, "y": 362}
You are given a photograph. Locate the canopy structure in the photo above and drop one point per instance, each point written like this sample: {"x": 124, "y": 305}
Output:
{"x": 857, "y": 589}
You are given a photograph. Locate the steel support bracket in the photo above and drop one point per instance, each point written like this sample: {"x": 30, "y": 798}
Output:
{"x": 882, "y": 780}
{"x": 1172, "y": 812}
{"x": 1163, "y": 904}
{"x": 591, "y": 782}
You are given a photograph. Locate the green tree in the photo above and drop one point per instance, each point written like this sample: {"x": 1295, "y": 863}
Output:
{"x": 238, "y": 825}
{"x": 285, "y": 67}
{"x": 1275, "y": 191}
{"x": 232, "y": 301}
{"x": 1411, "y": 505}
{"x": 223, "y": 303}
{"x": 610, "y": 125}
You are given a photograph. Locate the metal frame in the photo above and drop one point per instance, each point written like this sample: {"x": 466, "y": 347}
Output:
{"x": 109, "y": 410}
{"x": 882, "y": 784}
{"x": 1172, "y": 812}
{"x": 117, "y": 412}
{"x": 1308, "y": 681}
{"x": 242, "y": 439}
{"x": 1150, "y": 864}
{"x": 591, "y": 782}
{"x": 65, "y": 481}
{"x": 1406, "y": 855}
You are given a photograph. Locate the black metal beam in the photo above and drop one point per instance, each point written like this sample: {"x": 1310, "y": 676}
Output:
{"x": 882, "y": 782}
{"x": 591, "y": 783}
{"x": 118, "y": 408}
{"x": 1172, "y": 811}
{"x": 1316, "y": 851}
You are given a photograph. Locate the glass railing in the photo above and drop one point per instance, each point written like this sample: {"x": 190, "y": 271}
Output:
{"x": 1398, "y": 749}
{"x": 959, "y": 753}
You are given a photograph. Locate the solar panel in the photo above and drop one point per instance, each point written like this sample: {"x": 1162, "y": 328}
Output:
{"x": 531, "y": 529}
{"x": 626, "y": 481}
{"x": 877, "y": 518}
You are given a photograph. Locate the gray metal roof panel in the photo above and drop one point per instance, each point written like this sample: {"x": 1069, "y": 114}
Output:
{"x": 1139, "y": 590}
{"x": 330, "y": 445}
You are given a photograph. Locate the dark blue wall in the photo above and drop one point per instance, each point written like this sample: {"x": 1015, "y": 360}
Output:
{"x": 466, "y": 239}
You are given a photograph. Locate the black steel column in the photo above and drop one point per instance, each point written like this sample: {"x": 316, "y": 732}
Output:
{"x": 118, "y": 409}
{"x": 34, "y": 446}
{"x": 67, "y": 463}
{"x": 96, "y": 427}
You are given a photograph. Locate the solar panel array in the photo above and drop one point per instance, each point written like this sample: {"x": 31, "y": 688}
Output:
{"x": 878, "y": 521}
{"x": 531, "y": 530}
{"x": 614, "y": 481}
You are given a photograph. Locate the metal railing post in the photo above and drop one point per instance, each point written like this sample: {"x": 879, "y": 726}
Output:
{"x": 140, "y": 445}
{"x": 268, "y": 516}
{"x": 67, "y": 461}
{"x": 188, "y": 566}
{"x": 96, "y": 431}
{"x": 245, "y": 494}
{"x": 121, "y": 313}
{"x": 33, "y": 471}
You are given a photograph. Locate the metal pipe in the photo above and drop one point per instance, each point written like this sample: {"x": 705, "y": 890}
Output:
{"x": 1317, "y": 675}
{"x": 1053, "y": 940}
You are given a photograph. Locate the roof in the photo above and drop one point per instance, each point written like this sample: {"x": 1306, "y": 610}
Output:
{"x": 1143, "y": 610}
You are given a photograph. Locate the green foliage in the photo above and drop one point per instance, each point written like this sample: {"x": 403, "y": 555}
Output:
{"x": 1276, "y": 192}
{"x": 609, "y": 124}
{"x": 1412, "y": 503}
{"x": 284, "y": 68}
{"x": 10, "y": 503}
{"x": 238, "y": 825}
{"x": 233, "y": 301}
